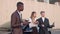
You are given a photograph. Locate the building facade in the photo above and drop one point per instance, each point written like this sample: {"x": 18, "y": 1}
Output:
{"x": 7, "y": 7}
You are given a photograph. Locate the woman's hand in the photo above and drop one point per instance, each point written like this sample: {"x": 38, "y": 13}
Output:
{"x": 36, "y": 22}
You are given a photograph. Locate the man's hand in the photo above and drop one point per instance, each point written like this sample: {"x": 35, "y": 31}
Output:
{"x": 52, "y": 25}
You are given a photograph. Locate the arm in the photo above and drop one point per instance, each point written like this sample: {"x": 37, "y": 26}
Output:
{"x": 13, "y": 21}
{"x": 38, "y": 23}
{"x": 49, "y": 26}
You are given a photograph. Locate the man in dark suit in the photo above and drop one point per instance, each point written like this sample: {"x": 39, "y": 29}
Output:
{"x": 43, "y": 24}
{"x": 16, "y": 19}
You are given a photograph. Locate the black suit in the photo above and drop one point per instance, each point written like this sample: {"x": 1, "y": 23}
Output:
{"x": 43, "y": 30}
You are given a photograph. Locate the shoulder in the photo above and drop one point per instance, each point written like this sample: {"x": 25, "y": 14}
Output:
{"x": 14, "y": 13}
{"x": 29, "y": 19}
{"x": 38, "y": 19}
{"x": 46, "y": 18}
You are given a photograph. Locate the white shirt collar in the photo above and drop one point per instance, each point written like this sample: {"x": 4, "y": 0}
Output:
{"x": 19, "y": 12}
{"x": 43, "y": 18}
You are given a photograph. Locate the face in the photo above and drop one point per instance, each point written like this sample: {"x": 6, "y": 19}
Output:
{"x": 43, "y": 14}
{"x": 34, "y": 15}
{"x": 20, "y": 8}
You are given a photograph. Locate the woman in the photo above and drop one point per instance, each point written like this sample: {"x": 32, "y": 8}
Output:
{"x": 33, "y": 23}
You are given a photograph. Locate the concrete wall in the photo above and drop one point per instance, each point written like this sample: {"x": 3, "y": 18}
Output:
{"x": 7, "y": 7}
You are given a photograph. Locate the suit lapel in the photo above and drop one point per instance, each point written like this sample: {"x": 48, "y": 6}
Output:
{"x": 42, "y": 20}
{"x": 18, "y": 14}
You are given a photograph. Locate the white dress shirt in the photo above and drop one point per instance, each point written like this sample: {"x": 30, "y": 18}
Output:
{"x": 43, "y": 18}
{"x": 20, "y": 13}
{"x": 32, "y": 24}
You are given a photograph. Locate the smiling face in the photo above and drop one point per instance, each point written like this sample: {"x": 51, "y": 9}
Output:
{"x": 33, "y": 15}
{"x": 42, "y": 14}
{"x": 20, "y": 6}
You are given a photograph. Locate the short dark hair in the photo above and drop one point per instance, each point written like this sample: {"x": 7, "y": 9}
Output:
{"x": 42, "y": 12}
{"x": 19, "y": 3}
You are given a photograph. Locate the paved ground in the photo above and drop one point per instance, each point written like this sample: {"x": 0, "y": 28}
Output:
{"x": 53, "y": 32}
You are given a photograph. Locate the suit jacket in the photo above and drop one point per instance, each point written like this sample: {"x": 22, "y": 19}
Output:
{"x": 43, "y": 30}
{"x": 16, "y": 23}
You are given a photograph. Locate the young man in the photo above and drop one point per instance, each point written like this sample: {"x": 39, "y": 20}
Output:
{"x": 43, "y": 24}
{"x": 16, "y": 19}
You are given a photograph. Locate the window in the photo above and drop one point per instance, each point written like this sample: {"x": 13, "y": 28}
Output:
{"x": 47, "y": 1}
{"x": 56, "y": 2}
{"x": 40, "y": 0}
{"x": 50, "y": 1}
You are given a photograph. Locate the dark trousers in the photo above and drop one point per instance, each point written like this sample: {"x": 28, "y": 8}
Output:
{"x": 43, "y": 31}
{"x": 34, "y": 30}
{"x": 27, "y": 32}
